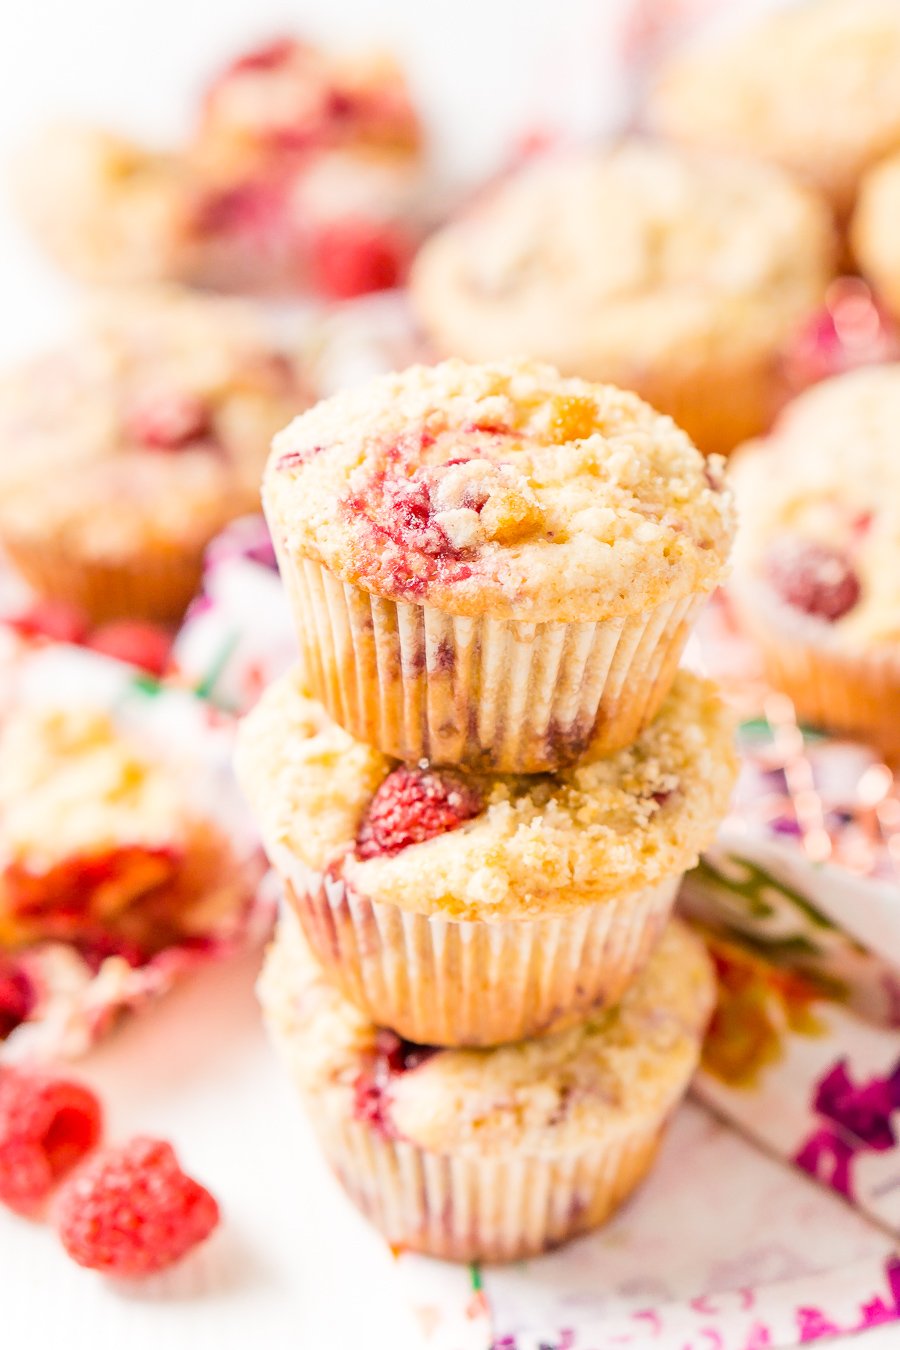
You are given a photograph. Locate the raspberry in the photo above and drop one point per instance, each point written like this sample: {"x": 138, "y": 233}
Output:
{"x": 412, "y": 806}
{"x": 167, "y": 420}
{"x": 392, "y": 1056}
{"x": 352, "y": 257}
{"x": 139, "y": 644}
{"x": 851, "y": 330}
{"x": 130, "y": 1211}
{"x": 17, "y": 996}
{"x": 47, "y": 1125}
{"x": 52, "y": 619}
{"x": 813, "y": 577}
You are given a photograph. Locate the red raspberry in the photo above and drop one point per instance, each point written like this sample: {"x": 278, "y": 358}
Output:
{"x": 167, "y": 420}
{"x": 130, "y": 1211}
{"x": 140, "y": 644}
{"x": 17, "y": 996}
{"x": 392, "y": 1056}
{"x": 813, "y": 577}
{"x": 352, "y": 257}
{"x": 47, "y": 1125}
{"x": 851, "y": 330}
{"x": 413, "y": 805}
{"x": 52, "y": 619}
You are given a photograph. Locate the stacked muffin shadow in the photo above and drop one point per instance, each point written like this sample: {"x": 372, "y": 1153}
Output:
{"x": 481, "y": 789}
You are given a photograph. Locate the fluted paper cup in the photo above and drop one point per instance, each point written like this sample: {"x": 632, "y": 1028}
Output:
{"x": 440, "y": 981}
{"x": 464, "y": 1208}
{"x": 492, "y": 694}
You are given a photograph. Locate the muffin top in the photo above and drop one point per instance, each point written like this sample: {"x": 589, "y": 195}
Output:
{"x": 502, "y": 489}
{"x": 149, "y": 430}
{"x": 486, "y": 847}
{"x": 606, "y": 261}
{"x": 617, "y": 1072}
{"x": 813, "y": 87}
{"x": 819, "y": 503}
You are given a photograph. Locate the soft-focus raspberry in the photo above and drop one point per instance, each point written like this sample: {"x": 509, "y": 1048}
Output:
{"x": 130, "y": 1211}
{"x": 413, "y": 805}
{"x": 167, "y": 420}
{"x": 52, "y": 619}
{"x": 851, "y": 330}
{"x": 392, "y": 1056}
{"x": 17, "y": 996}
{"x": 813, "y": 577}
{"x": 47, "y": 1125}
{"x": 140, "y": 644}
{"x": 352, "y": 257}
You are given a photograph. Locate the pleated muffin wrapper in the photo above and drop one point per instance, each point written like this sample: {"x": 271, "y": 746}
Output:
{"x": 844, "y": 690}
{"x": 158, "y": 588}
{"x": 439, "y": 981}
{"x": 492, "y": 694}
{"x": 483, "y": 1208}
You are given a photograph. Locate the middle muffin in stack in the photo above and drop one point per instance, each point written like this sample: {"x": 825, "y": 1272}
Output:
{"x": 482, "y": 789}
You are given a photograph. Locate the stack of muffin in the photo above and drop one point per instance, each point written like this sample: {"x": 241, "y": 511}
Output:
{"x": 481, "y": 788}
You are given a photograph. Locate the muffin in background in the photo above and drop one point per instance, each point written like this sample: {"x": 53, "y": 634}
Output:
{"x": 673, "y": 273}
{"x": 492, "y": 565}
{"x": 471, "y": 910}
{"x": 125, "y": 451}
{"x": 491, "y": 1155}
{"x": 873, "y": 232}
{"x": 303, "y": 171}
{"x": 812, "y": 87}
{"x": 816, "y": 577}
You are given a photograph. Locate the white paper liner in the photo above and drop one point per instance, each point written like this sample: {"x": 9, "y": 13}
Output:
{"x": 448, "y": 982}
{"x": 494, "y": 694}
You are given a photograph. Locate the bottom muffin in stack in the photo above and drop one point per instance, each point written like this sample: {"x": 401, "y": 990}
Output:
{"x": 491, "y": 1154}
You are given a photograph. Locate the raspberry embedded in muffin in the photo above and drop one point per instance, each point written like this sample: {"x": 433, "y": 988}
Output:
{"x": 391, "y": 1056}
{"x": 412, "y": 806}
{"x": 813, "y": 577}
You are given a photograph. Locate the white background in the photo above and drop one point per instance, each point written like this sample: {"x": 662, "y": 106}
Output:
{"x": 293, "y": 1266}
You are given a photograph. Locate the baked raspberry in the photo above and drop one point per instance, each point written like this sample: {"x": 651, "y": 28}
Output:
{"x": 352, "y": 257}
{"x": 392, "y": 1056}
{"x": 47, "y": 1125}
{"x": 145, "y": 645}
{"x": 813, "y": 577}
{"x": 130, "y": 1211}
{"x": 412, "y": 806}
{"x": 52, "y": 619}
{"x": 167, "y": 420}
{"x": 17, "y": 996}
{"x": 270, "y": 56}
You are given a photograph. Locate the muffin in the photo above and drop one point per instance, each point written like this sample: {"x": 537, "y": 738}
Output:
{"x": 672, "y": 273}
{"x": 480, "y": 909}
{"x": 817, "y": 581}
{"x": 304, "y": 171}
{"x": 874, "y": 231}
{"x": 126, "y": 212}
{"x": 126, "y": 451}
{"x": 492, "y": 565}
{"x": 105, "y": 844}
{"x": 813, "y": 87}
{"x": 491, "y": 1155}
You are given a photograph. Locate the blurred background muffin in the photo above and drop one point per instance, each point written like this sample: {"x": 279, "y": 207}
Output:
{"x": 125, "y": 451}
{"x": 816, "y": 577}
{"x": 812, "y": 87}
{"x": 672, "y": 273}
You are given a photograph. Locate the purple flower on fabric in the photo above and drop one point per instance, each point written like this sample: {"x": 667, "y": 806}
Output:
{"x": 759, "y": 1337}
{"x": 826, "y": 1156}
{"x": 864, "y": 1111}
{"x": 813, "y": 1324}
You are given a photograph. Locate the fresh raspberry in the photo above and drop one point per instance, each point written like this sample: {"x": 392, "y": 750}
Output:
{"x": 167, "y": 420}
{"x": 130, "y": 1211}
{"x": 413, "y": 805}
{"x": 352, "y": 257}
{"x": 52, "y": 619}
{"x": 813, "y": 577}
{"x": 851, "y": 330}
{"x": 47, "y": 1125}
{"x": 139, "y": 644}
{"x": 17, "y": 996}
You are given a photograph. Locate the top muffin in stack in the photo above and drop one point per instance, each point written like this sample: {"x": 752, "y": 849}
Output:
{"x": 492, "y": 565}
